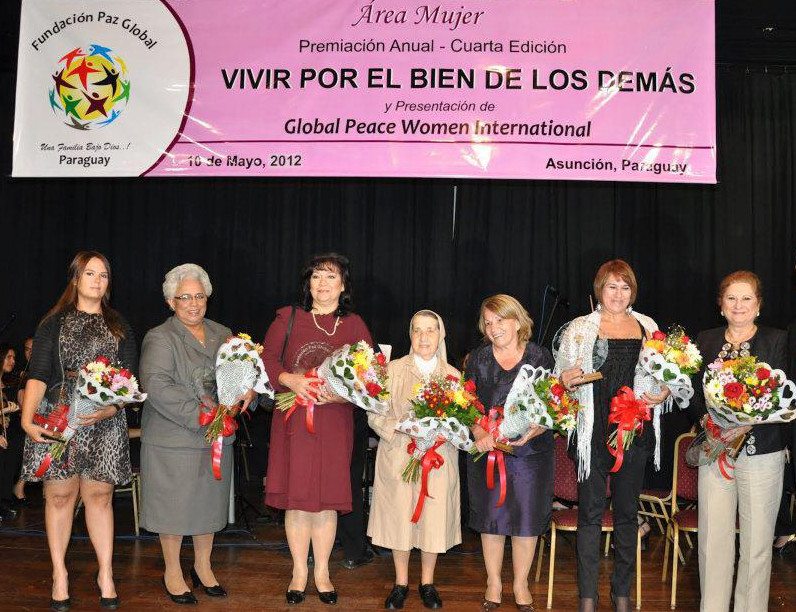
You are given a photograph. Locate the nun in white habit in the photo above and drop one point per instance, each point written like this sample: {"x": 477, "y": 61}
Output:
{"x": 390, "y": 526}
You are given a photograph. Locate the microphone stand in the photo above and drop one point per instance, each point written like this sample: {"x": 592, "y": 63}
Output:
{"x": 242, "y": 442}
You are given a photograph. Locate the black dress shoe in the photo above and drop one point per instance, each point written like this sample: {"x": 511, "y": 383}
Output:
{"x": 294, "y": 597}
{"x": 395, "y": 600}
{"x": 429, "y": 596}
{"x": 367, "y": 557}
{"x": 328, "y": 597}
{"x": 60, "y": 605}
{"x": 109, "y": 603}
{"x": 213, "y": 591}
{"x": 19, "y": 502}
{"x": 183, "y": 598}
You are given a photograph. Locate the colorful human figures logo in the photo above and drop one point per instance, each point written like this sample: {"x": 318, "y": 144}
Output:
{"x": 90, "y": 87}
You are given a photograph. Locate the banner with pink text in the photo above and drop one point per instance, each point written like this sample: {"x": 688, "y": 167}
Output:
{"x": 616, "y": 90}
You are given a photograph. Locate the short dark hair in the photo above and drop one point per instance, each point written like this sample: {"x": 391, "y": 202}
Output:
{"x": 327, "y": 261}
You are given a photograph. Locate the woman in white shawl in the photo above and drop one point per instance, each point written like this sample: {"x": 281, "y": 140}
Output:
{"x": 616, "y": 333}
{"x": 439, "y": 527}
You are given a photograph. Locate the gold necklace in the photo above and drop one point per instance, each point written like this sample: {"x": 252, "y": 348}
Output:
{"x": 334, "y": 330}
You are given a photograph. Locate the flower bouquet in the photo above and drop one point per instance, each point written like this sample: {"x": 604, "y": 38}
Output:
{"x": 443, "y": 409}
{"x": 238, "y": 369}
{"x": 629, "y": 413}
{"x": 670, "y": 359}
{"x": 739, "y": 392}
{"x": 537, "y": 397}
{"x": 354, "y": 372}
{"x": 99, "y": 384}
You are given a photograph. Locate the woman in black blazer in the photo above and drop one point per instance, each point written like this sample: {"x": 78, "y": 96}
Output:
{"x": 755, "y": 490}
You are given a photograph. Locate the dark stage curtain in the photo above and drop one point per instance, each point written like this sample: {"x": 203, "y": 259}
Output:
{"x": 413, "y": 245}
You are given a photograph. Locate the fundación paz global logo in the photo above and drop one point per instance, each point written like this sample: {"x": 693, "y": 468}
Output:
{"x": 90, "y": 89}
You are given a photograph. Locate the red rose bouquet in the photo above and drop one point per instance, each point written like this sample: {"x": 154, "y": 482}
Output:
{"x": 354, "y": 372}
{"x": 99, "y": 384}
{"x": 443, "y": 409}
{"x": 239, "y": 368}
{"x": 537, "y": 397}
{"x": 739, "y": 392}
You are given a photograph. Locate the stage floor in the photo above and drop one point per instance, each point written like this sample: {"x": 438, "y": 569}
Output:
{"x": 255, "y": 569}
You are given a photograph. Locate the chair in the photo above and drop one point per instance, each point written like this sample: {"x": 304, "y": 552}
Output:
{"x": 656, "y": 500}
{"x": 685, "y": 488}
{"x": 565, "y": 487}
{"x": 134, "y": 488}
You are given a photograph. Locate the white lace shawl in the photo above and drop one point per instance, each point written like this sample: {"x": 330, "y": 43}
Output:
{"x": 578, "y": 342}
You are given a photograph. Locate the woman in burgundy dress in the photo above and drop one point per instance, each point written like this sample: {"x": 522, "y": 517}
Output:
{"x": 308, "y": 474}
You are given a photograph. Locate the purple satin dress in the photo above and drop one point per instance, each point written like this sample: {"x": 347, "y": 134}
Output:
{"x": 529, "y": 473}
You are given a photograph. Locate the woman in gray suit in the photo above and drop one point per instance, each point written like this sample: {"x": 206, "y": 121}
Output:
{"x": 180, "y": 495}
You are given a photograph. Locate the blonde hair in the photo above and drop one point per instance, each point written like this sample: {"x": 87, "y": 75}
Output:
{"x": 507, "y": 307}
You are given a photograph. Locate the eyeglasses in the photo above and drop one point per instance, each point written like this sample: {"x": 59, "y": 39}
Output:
{"x": 187, "y": 297}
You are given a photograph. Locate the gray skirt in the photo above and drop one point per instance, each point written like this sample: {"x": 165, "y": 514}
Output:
{"x": 179, "y": 494}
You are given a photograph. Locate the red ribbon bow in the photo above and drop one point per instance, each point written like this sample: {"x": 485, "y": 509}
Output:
{"x": 309, "y": 405}
{"x": 725, "y": 467}
{"x": 431, "y": 461}
{"x": 228, "y": 427}
{"x": 490, "y": 423}
{"x": 628, "y": 413}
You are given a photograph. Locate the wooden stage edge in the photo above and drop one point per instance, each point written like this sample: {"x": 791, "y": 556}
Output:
{"x": 255, "y": 568}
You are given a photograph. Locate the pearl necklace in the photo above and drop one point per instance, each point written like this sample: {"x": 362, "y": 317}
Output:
{"x": 334, "y": 330}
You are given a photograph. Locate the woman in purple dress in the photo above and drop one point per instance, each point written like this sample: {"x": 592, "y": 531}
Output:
{"x": 525, "y": 512}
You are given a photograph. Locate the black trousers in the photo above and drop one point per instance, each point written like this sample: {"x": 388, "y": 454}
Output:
{"x": 625, "y": 489}
{"x": 351, "y": 526}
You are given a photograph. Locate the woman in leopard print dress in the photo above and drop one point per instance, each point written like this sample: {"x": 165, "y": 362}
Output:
{"x": 78, "y": 329}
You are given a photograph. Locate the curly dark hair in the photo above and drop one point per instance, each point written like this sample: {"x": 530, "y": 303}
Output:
{"x": 327, "y": 261}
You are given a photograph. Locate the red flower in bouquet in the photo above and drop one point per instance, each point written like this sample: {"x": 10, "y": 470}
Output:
{"x": 763, "y": 374}
{"x": 557, "y": 390}
{"x": 733, "y": 390}
{"x": 658, "y": 335}
{"x": 373, "y": 389}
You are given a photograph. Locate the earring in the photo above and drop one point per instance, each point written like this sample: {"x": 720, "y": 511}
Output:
{"x": 599, "y": 307}
{"x": 758, "y": 313}
{"x": 722, "y": 313}
{"x": 629, "y": 310}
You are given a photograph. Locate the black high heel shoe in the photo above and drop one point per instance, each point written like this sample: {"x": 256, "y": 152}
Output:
{"x": 328, "y": 597}
{"x": 60, "y": 605}
{"x": 295, "y": 597}
{"x": 212, "y": 591}
{"x": 182, "y": 598}
{"x": 108, "y": 603}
